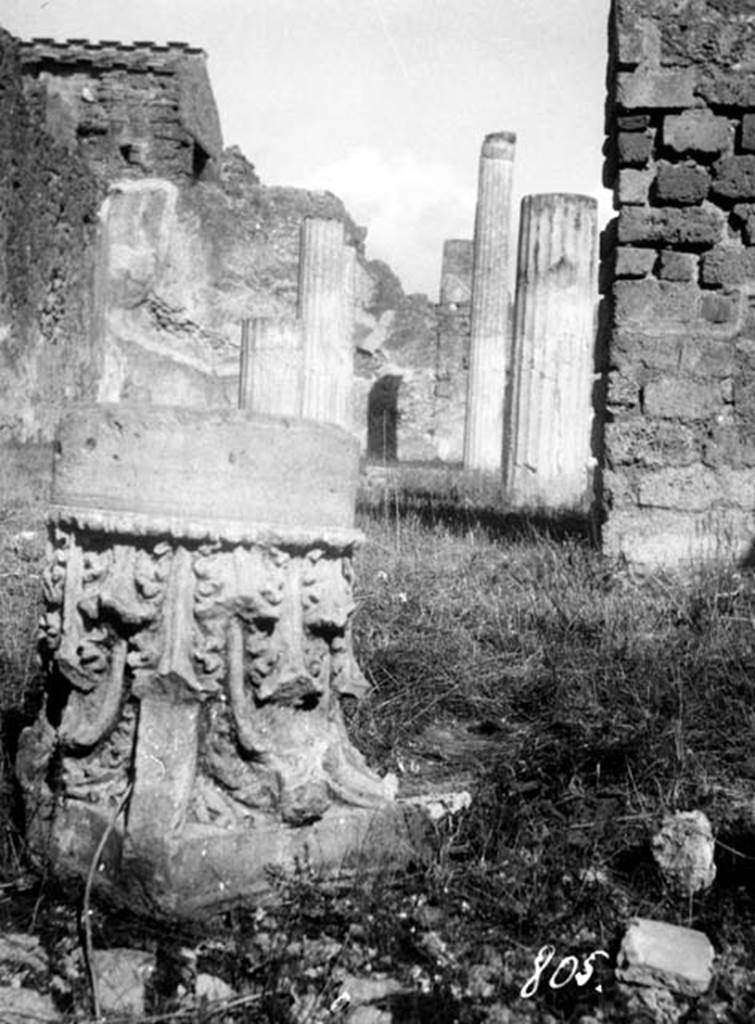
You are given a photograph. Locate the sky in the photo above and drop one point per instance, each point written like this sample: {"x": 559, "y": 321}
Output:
{"x": 384, "y": 102}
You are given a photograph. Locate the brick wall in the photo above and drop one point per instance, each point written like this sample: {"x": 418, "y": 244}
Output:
{"x": 131, "y": 109}
{"x": 679, "y": 473}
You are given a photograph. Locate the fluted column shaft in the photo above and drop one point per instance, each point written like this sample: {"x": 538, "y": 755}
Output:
{"x": 271, "y": 358}
{"x": 483, "y": 430}
{"x": 326, "y": 353}
{"x": 548, "y": 461}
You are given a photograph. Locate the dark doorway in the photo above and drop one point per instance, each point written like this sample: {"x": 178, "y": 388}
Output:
{"x": 382, "y": 419}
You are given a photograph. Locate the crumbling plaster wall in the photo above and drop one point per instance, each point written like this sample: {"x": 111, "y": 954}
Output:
{"x": 48, "y": 214}
{"x": 679, "y": 444}
{"x": 132, "y": 247}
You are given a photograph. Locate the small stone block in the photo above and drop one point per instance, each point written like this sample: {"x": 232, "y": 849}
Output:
{"x": 634, "y": 186}
{"x": 697, "y": 131}
{"x": 634, "y": 148}
{"x": 672, "y": 88}
{"x": 633, "y": 122}
{"x": 682, "y": 184}
{"x": 725, "y": 265}
{"x": 632, "y": 261}
{"x": 654, "y": 953}
{"x": 718, "y": 309}
{"x": 735, "y": 177}
{"x": 747, "y": 142}
{"x": 677, "y": 266}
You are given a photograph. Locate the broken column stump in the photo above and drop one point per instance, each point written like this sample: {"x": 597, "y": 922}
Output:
{"x": 548, "y": 461}
{"x": 196, "y": 634}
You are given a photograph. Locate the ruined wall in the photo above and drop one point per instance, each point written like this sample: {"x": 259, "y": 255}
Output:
{"x": 48, "y": 212}
{"x": 680, "y": 415}
{"x": 130, "y": 108}
{"x": 131, "y": 248}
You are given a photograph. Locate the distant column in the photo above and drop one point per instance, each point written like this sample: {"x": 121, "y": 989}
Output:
{"x": 483, "y": 428}
{"x": 549, "y": 461}
{"x": 456, "y": 272}
{"x": 321, "y": 310}
{"x": 345, "y": 361}
{"x": 271, "y": 357}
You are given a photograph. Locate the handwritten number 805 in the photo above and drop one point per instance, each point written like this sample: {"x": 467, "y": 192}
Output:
{"x": 568, "y": 966}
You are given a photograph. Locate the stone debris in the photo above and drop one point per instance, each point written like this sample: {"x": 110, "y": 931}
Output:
{"x": 684, "y": 850}
{"x": 24, "y": 1006}
{"x": 654, "y": 954}
{"x": 122, "y": 978}
{"x": 213, "y": 989}
{"x": 438, "y": 806}
{"x": 361, "y": 991}
{"x": 21, "y": 955}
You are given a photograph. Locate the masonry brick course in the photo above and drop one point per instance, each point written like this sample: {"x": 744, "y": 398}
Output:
{"x": 697, "y": 131}
{"x": 634, "y": 148}
{"x": 693, "y": 226}
{"x": 679, "y": 467}
{"x": 682, "y": 184}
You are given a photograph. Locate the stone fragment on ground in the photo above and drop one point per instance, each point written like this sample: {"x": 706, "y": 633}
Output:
{"x": 440, "y": 805}
{"x": 654, "y": 954}
{"x": 21, "y": 955}
{"x": 122, "y": 977}
{"x": 24, "y": 1006}
{"x": 212, "y": 988}
{"x": 683, "y": 850}
{"x": 361, "y": 990}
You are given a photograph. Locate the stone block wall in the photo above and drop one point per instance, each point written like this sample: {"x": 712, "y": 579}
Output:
{"x": 679, "y": 473}
{"x": 132, "y": 109}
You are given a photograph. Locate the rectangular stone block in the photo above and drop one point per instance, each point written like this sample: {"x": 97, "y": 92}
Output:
{"x": 734, "y": 177}
{"x": 719, "y": 309}
{"x": 639, "y": 352}
{"x": 677, "y": 266}
{"x": 634, "y": 148}
{"x": 653, "y": 538}
{"x": 693, "y": 226}
{"x": 739, "y": 487}
{"x": 691, "y": 488}
{"x": 682, "y": 184}
{"x": 632, "y": 261}
{"x": 681, "y": 398}
{"x": 634, "y": 186}
{"x": 726, "y": 88}
{"x": 747, "y": 134}
{"x": 651, "y": 303}
{"x": 726, "y": 265}
{"x": 676, "y": 958}
{"x": 656, "y": 89}
{"x": 637, "y": 440}
{"x": 697, "y": 131}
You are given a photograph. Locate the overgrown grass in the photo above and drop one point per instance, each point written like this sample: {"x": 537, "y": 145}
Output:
{"x": 578, "y": 700}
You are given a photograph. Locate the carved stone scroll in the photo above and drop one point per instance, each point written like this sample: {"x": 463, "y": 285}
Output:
{"x": 199, "y": 657}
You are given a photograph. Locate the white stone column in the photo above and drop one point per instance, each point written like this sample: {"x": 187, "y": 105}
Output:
{"x": 326, "y": 394}
{"x": 271, "y": 360}
{"x": 483, "y": 429}
{"x": 549, "y": 462}
{"x": 345, "y": 357}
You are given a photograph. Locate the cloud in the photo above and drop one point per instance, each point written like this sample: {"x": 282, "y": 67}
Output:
{"x": 409, "y": 206}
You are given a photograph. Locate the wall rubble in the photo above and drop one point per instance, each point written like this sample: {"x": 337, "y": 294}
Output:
{"x": 679, "y": 474}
